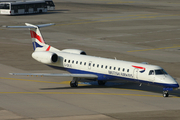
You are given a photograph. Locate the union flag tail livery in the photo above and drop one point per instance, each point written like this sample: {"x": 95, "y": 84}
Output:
{"x": 37, "y": 39}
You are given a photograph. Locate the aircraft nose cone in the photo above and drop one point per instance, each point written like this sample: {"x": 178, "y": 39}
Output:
{"x": 174, "y": 85}
{"x": 177, "y": 85}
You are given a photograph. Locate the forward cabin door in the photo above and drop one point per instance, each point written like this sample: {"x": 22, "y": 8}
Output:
{"x": 151, "y": 76}
{"x": 135, "y": 73}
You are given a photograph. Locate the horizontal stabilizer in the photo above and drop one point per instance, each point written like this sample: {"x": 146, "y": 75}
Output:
{"x": 31, "y": 26}
{"x": 57, "y": 75}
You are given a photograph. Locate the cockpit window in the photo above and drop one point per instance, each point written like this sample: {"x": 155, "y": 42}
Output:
{"x": 151, "y": 72}
{"x": 160, "y": 72}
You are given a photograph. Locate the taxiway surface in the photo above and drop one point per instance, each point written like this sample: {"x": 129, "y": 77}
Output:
{"x": 136, "y": 30}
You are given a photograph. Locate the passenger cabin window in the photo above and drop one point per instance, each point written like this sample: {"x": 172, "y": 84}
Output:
{"x": 118, "y": 69}
{"x": 101, "y": 66}
{"x": 110, "y": 67}
{"x": 106, "y": 67}
{"x": 93, "y": 65}
{"x": 97, "y": 65}
{"x": 123, "y": 69}
{"x": 76, "y": 62}
{"x": 80, "y": 63}
{"x": 84, "y": 63}
{"x": 89, "y": 64}
{"x": 127, "y": 70}
{"x": 114, "y": 68}
{"x": 65, "y": 60}
{"x": 69, "y": 61}
{"x": 73, "y": 61}
{"x": 151, "y": 72}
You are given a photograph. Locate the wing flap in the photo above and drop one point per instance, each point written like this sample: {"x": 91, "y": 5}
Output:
{"x": 57, "y": 75}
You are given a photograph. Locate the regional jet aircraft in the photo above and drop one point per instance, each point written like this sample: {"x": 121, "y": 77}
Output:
{"x": 81, "y": 66}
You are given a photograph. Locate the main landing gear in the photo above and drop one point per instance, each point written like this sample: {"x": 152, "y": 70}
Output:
{"x": 165, "y": 94}
{"x": 74, "y": 82}
{"x": 100, "y": 82}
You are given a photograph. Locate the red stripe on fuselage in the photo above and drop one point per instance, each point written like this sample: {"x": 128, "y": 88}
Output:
{"x": 139, "y": 67}
{"x": 34, "y": 35}
{"x": 48, "y": 48}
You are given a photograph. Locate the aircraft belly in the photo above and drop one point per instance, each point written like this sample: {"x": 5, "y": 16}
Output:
{"x": 107, "y": 77}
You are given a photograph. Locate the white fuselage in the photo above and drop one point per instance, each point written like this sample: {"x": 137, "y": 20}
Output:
{"x": 82, "y": 66}
{"x": 111, "y": 69}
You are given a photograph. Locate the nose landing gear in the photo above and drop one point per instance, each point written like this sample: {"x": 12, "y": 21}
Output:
{"x": 165, "y": 91}
{"x": 165, "y": 94}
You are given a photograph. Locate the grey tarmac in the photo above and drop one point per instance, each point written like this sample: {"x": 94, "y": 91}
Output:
{"x": 131, "y": 30}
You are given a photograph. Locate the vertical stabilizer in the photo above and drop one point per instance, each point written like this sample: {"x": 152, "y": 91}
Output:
{"x": 37, "y": 39}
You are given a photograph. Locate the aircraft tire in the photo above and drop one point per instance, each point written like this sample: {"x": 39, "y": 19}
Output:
{"x": 75, "y": 84}
{"x": 165, "y": 94}
{"x": 101, "y": 82}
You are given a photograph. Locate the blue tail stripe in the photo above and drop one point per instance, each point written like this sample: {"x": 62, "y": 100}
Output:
{"x": 35, "y": 45}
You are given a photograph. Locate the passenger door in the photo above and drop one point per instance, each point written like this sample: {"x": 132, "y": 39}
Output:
{"x": 151, "y": 76}
{"x": 135, "y": 73}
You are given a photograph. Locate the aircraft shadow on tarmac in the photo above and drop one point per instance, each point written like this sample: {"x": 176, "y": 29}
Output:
{"x": 125, "y": 86}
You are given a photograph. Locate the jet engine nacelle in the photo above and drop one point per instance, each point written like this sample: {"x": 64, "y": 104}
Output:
{"x": 45, "y": 57}
{"x": 74, "y": 51}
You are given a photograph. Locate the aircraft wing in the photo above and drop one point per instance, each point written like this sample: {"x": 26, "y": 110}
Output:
{"x": 57, "y": 75}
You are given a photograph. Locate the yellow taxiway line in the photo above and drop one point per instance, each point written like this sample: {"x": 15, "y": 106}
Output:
{"x": 154, "y": 49}
{"x": 67, "y": 82}
{"x": 138, "y": 16}
{"x": 30, "y": 80}
{"x": 81, "y": 93}
{"x": 78, "y": 93}
{"x": 122, "y": 2}
{"x": 148, "y": 14}
{"x": 141, "y": 2}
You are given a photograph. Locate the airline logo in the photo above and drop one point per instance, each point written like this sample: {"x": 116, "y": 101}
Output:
{"x": 138, "y": 67}
{"x": 36, "y": 45}
{"x": 48, "y": 48}
{"x": 36, "y": 36}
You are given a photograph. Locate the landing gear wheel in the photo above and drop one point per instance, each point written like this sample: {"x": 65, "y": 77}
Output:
{"x": 74, "y": 84}
{"x": 101, "y": 82}
{"x": 165, "y": 94}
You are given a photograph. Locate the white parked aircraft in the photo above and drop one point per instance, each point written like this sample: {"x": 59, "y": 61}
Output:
{"x": 82, "y": 66}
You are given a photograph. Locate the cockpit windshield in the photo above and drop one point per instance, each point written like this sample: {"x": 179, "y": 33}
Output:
{"x": 160, "y": 72}
{"x": 157, "y": 72}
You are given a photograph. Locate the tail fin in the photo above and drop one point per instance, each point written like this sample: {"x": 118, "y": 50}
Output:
{"x": 36, "y": 36}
